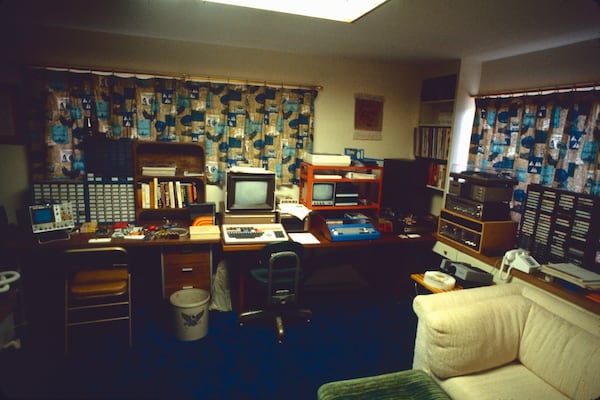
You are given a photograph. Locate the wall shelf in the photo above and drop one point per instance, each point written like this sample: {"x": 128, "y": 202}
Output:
{"x": 357, "y": 193}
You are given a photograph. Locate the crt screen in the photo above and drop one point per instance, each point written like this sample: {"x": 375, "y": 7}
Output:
{"x": 250, "y": 193}
{"x": 322, "y": 191}
{"x": 42, "y": 216}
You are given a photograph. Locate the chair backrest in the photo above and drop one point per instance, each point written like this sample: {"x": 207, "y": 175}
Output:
{"x": 284, "y": 263}
{"x": 95, "y": 258}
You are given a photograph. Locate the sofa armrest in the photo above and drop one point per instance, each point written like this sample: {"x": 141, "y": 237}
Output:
{"x": 426, "y": 304}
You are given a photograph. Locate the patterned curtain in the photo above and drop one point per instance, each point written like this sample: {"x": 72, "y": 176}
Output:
{"x": 260, "y": 126}
{"x": 550, "y": 140}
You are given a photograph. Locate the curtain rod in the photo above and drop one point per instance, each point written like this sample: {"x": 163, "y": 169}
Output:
{"x": 576, "y": 87}
{"x": 142, "y": 75}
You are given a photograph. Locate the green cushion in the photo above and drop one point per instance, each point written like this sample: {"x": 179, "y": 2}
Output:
{"x": 409, "y": 384}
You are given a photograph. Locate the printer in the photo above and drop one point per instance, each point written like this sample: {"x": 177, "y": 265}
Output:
{"x": 466, "y": 275}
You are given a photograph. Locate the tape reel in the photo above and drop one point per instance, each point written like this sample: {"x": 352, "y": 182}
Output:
{"x": 439, "y": 280}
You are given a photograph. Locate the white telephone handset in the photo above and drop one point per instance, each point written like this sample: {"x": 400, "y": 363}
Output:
{"x": 519, "y": 259}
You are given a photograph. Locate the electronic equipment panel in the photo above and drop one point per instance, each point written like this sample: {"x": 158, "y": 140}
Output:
{"x": 483, "y": 211}
{"x": 258, "y": 233}
{"x": 51, "y": 217}
{"x": 346, "y": 232}
{"x": 483, "y": 237}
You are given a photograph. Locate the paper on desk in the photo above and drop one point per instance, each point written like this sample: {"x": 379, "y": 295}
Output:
{"x": 297, "y": 210}
{"x": 576, "y": 271}
{"x": 304, "y": 237}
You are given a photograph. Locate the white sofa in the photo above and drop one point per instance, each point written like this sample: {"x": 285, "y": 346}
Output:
{"x": 508, "y": 341}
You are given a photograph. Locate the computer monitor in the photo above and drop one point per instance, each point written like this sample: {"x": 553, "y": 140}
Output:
{"x": 323, "y": 194}
{"x": 250, "y": 192}
{"x": 404, "y": 187}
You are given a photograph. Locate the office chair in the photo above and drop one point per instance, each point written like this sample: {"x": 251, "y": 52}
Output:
{"x": 97, "y": 288}
{"x": 280, "y": 273}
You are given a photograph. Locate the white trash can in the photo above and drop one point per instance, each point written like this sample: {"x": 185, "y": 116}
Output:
{"x": 190, "y": 313}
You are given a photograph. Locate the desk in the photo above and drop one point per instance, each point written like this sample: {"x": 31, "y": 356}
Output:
{"x": 184, "y": 263}
{"x": 388, "y": 248}
{"x": 158, "y": 263}
{"x": 420, "y": 280}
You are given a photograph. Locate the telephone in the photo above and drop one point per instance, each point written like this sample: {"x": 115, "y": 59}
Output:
{"x": 519, "y": 259}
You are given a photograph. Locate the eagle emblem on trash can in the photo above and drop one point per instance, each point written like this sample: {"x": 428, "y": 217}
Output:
{"x": 192, "y": 319}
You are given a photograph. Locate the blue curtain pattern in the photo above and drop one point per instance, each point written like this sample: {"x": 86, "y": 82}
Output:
{"x": 550, "y": 140}
{"x": 259, "y": 126}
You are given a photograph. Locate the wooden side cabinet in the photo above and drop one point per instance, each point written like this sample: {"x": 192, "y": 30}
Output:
{"x": 186, "y": 267}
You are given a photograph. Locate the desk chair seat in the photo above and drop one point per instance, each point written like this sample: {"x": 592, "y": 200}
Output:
{"x": 97, "y": 288}
{"x": 279, "y": 273}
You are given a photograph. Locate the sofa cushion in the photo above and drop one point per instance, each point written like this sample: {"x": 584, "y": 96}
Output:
{"x": 475, "y": 337}
{"x": 410, "y": 384}
{"x": 561, "y": 353}
{"x": 512, "y": 381}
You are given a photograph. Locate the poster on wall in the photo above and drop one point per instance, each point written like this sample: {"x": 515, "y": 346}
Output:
{"x": 368, "y": 117}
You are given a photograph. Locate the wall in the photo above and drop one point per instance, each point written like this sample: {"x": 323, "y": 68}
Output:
{"x": 399, "y": 84}
{"x": 341, "y": 79}
{"x": 558, "y": 67}
{"x": 566, "y": 65}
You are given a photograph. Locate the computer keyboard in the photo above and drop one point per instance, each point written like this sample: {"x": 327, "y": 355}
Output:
{"x": 256, "y": 233}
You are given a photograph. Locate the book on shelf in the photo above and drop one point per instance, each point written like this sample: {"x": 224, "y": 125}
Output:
{"x": 159, "y": 169}
{"x": 168, "y": 194}
{"x": 171, "y": 189}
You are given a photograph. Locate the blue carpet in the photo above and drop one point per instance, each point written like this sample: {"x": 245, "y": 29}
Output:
{"x": 352, "y": 336}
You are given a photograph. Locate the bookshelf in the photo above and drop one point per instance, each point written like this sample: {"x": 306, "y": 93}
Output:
{"x": 433, "y": 135}
{"x": 167, "y": 178}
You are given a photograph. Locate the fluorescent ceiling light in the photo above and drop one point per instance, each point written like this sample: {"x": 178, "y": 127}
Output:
{"x": 337, "y": 10}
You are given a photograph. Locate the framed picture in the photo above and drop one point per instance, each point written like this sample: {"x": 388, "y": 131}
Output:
{"x": 368, "y": 112}
{"x": 368, "y": 117}
{"x": 9, "y": 129}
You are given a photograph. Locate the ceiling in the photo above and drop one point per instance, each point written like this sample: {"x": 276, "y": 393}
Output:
{"x": 397, "y": 31}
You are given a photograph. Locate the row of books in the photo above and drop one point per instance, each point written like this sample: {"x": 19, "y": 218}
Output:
{"x": 436, "y": 175}
{"x": 432, "y": 142}
{"x": 166, "y": 194}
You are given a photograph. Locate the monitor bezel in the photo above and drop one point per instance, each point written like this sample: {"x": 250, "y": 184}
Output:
{"x": 230, "y": 193}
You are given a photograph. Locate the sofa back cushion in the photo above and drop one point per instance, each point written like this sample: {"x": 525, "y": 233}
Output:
{"x": 562, "y": 354}
{"x": 476, "y": 336}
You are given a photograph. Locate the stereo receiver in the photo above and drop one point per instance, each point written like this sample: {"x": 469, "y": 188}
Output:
{"x": 483, "y": 211}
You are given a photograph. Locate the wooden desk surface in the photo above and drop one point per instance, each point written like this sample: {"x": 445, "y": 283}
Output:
{"x": 420, "y": 279}
{"x": 385, "y": 239}
{"x": 81, "y": 240}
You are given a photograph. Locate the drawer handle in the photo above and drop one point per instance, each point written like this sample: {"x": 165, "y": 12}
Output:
{"x": 187, "y": 269}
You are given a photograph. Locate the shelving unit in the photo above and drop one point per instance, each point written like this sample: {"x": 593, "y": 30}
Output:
{"x": 561, "y": 226}
{"x": 346, "y": 185}
{"x": 156, "y": 196}
{"x": 433, "y": 136}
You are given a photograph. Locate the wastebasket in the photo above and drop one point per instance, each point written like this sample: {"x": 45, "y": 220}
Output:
{"x": 190, "y": 313}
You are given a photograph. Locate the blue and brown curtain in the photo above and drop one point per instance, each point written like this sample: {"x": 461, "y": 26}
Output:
{"x": 257, "y": 125}
{"x": 549, "y": 139}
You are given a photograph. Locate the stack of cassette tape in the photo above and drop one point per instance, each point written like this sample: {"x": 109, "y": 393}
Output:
{"x": 561, "y": 226}
{"x": 476, "y": 214}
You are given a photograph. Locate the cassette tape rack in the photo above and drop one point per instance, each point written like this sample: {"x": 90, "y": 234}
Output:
{"x": 561, "y": 226}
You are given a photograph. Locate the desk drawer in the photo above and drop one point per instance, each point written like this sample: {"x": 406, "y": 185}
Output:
{"x": 185, "y": 268}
